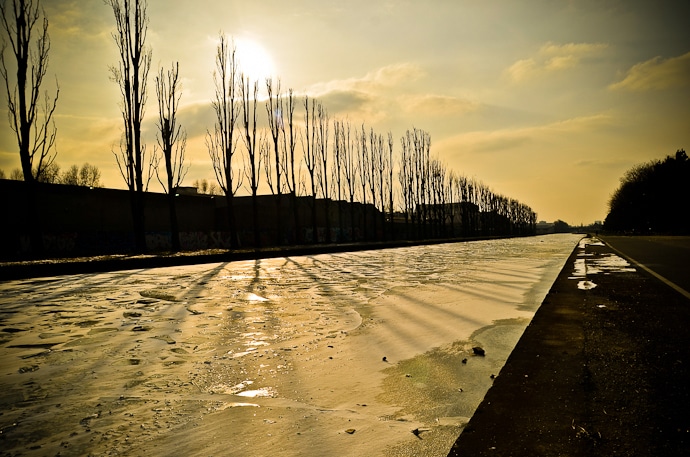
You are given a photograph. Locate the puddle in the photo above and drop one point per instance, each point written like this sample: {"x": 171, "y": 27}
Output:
{"x": 239, "y": 390}
{"x": 253, "y": 297}
{"x": 586, "y": 285}
{"x": 612, "y": 263}
{"x": 242, "y": 354}
{"x": 236, "y": 405}
{"x": 263, "y": 392}
{"x": 591, "y": 264}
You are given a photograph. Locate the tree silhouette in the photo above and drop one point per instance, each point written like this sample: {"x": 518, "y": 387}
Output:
{"x": 363, "y": 169}
{"x": 249, "y": 93}
{"x": 375, "y": 151}
{"x": 31, "y": 118}
{"x": 221, "y": 143}
{"x": 653, "y": 198}
{"x": 274, "y": 115}
{"x": 172, "y": 140}
{"x": 88, "y": 176}
{"x": 322, "y": 170}
{"x": 348, "y": 168}
{"x": 289, "y": 145}
{"x": 131, "y": 75}
{"x": 389, "y": 182}
{"x": 309, "y": 146}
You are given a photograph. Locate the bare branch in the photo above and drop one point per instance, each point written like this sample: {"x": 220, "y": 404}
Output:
{"x": 31, "y": 120}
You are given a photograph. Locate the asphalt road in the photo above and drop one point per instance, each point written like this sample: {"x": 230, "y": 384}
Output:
{"x": 600, "y": 371}
{"x": 667, "y": 256}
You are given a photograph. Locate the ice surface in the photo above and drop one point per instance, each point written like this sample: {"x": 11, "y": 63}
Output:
{"x": 160, "y": 360}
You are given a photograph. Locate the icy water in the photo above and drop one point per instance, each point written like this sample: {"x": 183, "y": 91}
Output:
{"x": 366, "y": 353}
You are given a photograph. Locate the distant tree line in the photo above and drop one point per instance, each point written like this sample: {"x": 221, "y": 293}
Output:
{"x": 560, "y": 226}
{"x": 87, "y": 175}
{"x": 653, "y": 197}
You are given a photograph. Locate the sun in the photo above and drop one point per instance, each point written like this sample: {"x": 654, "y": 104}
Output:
{"x": 253, "y": 60}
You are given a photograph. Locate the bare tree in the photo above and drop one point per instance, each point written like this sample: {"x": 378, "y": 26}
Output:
{"x": 349, "y": 171}
{"x": 322, "y": 124}
{"x": 452, "y": 193}
{"x": 437, "y": 188}
{"x": 363, "y": 163}
{"x": 309, "y": 146}
{"x": 405, "y": 179}
{"x": 274, "y": 111}
{"x": 203, "y": 186}
{"x": 131, "y": 75}
{"x": 222, "y": 143}
{"x": 290, "y": 143}
{"x": 421, "y": 142}
{"x": 339, "y": 140}
{"x": 172, "y": 140}
{"x": 16, "y": 175}
{"x": 30, "y": 118}
{"x": 372, "y": 173}
{"x": 377, "y": 161}
{"x": 50, "y": 174}
{"x": 254, "y": 155}
{"x": 30, "y": 112}
{"x": 71, "y": 176}
{"x": 88, "y": 175}
{"x": 389, "y": 185}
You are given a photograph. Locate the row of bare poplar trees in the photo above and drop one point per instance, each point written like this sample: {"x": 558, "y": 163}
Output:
{"x": 316, "y": 157}
{"x": 334, "y": 160}
{"x": 350, "y": 164}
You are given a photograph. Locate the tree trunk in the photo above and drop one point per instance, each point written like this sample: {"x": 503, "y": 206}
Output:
{"x": 138, "y": 221}
{"x": 255, "y": 221}
{"x": 174, "y": 229}
{"x": 232, "y": 223}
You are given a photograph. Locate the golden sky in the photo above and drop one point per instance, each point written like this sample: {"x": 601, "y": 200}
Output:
{"x": 548, "y": 102}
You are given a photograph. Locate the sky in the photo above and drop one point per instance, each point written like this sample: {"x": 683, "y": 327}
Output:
{"x": 545, "y": 101}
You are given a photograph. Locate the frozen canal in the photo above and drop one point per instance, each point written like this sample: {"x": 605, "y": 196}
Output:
{"x": 349, "y": 354}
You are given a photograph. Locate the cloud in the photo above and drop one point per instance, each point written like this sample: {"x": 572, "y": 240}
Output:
{"x": 656, "y": 74}
{"x": 382, "y": 78}
{"x": 365, "y": 97}
{"x": 343, "y": 101}
{"x": 553, "y": 58}
{"x": 438, "y": 105}
{"x": 506, "y": 139}
{"x": 79, "y": 19}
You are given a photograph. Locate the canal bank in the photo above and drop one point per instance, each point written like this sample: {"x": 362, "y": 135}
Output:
{"x": 602, "y": 369}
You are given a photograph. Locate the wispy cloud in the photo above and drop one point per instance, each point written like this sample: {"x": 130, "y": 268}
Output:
{"x": 656, "y": 74}
{"x": 365, "y": 97}
{"x": 438, "y": 105}
{"x": 382, "y": 78}
{"x": 74, "y": 18}
{"x": 552, "y": 58}
{"x": 506, "y": 139}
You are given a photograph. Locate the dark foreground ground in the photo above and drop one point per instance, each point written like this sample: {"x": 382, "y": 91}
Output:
{"x": 599, "y": 372}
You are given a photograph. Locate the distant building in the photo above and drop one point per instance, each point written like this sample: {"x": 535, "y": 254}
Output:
{"x": 186, "y": 190}
{"x": 544, "y": 227}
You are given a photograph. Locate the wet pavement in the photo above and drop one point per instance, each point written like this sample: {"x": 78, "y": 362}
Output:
{"x": 602, "y": 369}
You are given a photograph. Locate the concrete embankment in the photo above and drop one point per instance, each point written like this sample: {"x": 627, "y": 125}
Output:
{"x": 603, "y": 369}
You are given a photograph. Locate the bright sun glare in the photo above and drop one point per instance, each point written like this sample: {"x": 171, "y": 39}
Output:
{"x": 254, "y": 61}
